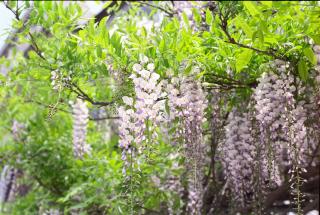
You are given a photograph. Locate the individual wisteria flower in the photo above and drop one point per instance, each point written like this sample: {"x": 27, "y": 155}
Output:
{"x": 143, "y": 112}
{"x": 80, "y": 120}
{"x": 238, "y": 152}
{"x": 7, "y": 181}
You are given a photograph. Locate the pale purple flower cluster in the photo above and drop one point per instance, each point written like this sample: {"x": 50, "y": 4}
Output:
{"x": 143, "y": 112}
{"x": 127, "y": 131}
{"x": 7, "y": 182}
{"x": 238, "y": 153}
{"x": 299, "y": 135}
{"x": 187, "y": 103}
{"x": 274, "y": 100}
{"x": 80, "y": 121}
{"x": 317, "y": 78}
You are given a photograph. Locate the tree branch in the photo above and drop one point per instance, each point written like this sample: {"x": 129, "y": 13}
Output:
{"x": 231, "y": 40}
{"x": 36, "y": 48}
{"x": 158, "y": 7}
{"x": 82, "y": 95}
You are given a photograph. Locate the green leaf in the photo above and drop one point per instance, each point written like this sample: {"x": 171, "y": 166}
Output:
{"x": 258, "y": 34}
{"x": 196, "y": 15}
{"x": 185, "y": 19}
{"x": 251, "y": 7}
{"x": 99, "y": 51}
{"x": 241, "y": 23}
{"x": 27, "y": 4}
{"x": 302, "y": 69}
{"x": 209, "y": 17}
{"x": 242, "y": 59}
{"x": 316, "y": 38}
{"x": 266, "y": 3}
{"x": 308, "y": 52}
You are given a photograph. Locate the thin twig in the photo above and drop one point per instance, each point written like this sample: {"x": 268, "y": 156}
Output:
{"x": 85, "y": 96}
{"x": 158, "y": 7}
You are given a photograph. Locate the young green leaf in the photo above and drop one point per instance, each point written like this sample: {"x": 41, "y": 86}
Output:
{"x": 242, "y": 59}
{"x": 302, "y": 69}
{"x": 251, "y": 7}
{"x": 310, "y": 55}
{"x": 266, "y": 3}
{"x": 196, "y": 15}
{"x": 209, "y": 17}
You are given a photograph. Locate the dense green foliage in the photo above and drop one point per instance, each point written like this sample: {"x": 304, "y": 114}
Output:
{"x": 234, "y": 46}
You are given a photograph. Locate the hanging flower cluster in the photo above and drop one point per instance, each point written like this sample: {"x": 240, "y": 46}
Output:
{"x": 187, "y": 103}
{"x": 274, "y": 99}
{"x": 143, "y": 112}
{"x": 80, "y": 121}
{"x": 7, "y": 182}
{"x": 238, "y": 153}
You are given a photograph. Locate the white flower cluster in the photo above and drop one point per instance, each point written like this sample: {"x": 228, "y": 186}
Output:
{"x": 238, "y": 153}
{"x": 80, "y": 121}
{"x": 7, "y": 181}
{"x": 143, "y": 112}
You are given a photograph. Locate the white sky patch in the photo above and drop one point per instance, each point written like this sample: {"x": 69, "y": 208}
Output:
{"x": 6, "y": 17}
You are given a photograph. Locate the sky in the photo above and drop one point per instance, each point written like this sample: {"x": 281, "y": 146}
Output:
{"x": 5, "y": 22}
